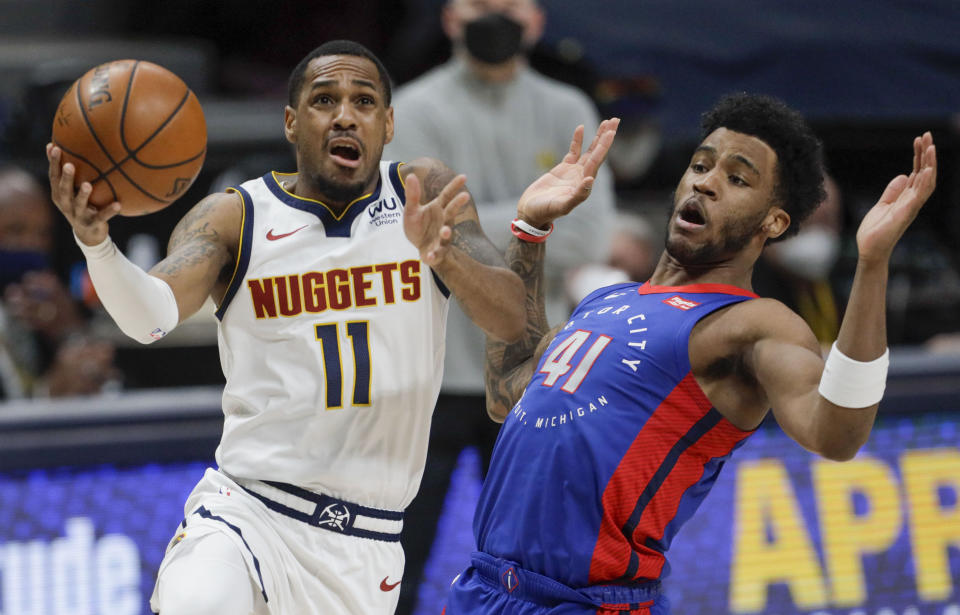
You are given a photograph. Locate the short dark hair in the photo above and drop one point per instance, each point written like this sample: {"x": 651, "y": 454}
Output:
{"x": 336, "y": 48}
{"x": 799, "y": 184}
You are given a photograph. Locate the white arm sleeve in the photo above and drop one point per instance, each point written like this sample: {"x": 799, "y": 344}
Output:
{"x": 142, "y": 306}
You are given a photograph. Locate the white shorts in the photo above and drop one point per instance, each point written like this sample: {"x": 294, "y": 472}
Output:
{"x": 298, "y": 567}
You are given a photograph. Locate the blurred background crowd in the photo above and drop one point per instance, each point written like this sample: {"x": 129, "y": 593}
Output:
{"x": 868, "y": 74}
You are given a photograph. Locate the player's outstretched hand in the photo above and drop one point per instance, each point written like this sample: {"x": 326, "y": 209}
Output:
{"x": 900, "y": 203}
{"x": 429, "y": 226}
{"x": 568, "y": 184}
{"x": 88, "y": 222}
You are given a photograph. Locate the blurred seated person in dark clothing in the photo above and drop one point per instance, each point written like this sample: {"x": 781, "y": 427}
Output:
{"x": 45, "y": 347}
{"x": 797, "y": 271}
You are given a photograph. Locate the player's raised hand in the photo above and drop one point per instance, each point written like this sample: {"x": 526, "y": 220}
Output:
{"x": 568, "y": 184}
{"x": 88, "y": 222}
{"x": 429, "y": 226}
{"x": 899, "y": 204}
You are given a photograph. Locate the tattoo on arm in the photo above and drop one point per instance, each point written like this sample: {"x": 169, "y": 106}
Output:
{"x": 503, "y": 387}
{"x": 468, "y": 237}
{"x": 438, "y": 176}
{"x": 194, "y": 240}
{"x": 510, "y": 366}
{"x": 526, "y": 260}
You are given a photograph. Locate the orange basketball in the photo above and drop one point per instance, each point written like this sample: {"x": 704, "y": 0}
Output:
{"x": 135, "y": 131}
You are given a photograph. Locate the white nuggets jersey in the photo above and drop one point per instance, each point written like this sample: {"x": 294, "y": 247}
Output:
{"x": 331, "y": 340}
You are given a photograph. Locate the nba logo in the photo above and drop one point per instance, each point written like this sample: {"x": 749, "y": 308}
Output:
{"x": 509, "y": 579}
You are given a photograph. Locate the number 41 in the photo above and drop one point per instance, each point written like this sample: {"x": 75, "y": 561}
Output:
{"x": 558, "y": 362}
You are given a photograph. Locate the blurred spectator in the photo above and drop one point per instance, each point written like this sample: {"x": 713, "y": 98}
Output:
{"x": 45, "y": 347}
{"x": 584, "y": 280}
{"x": 83, "y": 365}
{"x": 634, "y": 250}
{"x": 944, "y": 343}
{"x": 487, "y": 114}
{"x": 797, "y": 270}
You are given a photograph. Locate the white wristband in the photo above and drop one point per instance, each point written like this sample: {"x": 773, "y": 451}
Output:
{"x": 529, "y": 229}
{"x": 854, "y": 384}
{"x": 143, "y": 306}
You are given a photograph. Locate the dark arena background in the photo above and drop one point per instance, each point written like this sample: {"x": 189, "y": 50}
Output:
{"x": 92, "y": 488}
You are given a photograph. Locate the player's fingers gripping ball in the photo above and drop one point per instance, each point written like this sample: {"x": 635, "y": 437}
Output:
{"x": 135, "y": 131}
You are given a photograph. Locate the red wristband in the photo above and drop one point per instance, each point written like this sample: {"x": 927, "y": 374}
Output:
{"x": 528, "y": 233}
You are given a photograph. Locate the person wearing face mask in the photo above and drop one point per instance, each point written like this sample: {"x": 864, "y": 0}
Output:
{"x": 797, "y": 270}
{"x": 45, "y": 345}
{"x": 487, "y": 113}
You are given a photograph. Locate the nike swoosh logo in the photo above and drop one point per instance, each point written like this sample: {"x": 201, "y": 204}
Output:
{"x": 272, "y": 237}
{"x": 385, "y": 587}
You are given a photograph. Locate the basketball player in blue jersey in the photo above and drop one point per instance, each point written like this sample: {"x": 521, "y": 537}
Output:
{"x": 332, "y": 285}
{"x": 616, "y": 423}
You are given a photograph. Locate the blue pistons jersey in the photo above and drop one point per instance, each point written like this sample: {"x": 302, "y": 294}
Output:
{"x": 613, "y": 445}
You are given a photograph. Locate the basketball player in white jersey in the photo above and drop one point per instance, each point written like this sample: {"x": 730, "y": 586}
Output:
{"x": 332, "y": 286}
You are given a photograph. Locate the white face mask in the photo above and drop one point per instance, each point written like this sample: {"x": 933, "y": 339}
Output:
{"x": 810, "y": 254}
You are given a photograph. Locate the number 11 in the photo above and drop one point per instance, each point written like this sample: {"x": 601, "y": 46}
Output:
{"x": 330, "y": 347}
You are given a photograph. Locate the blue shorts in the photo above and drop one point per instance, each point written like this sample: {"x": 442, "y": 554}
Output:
{"x": 491, "y": 585}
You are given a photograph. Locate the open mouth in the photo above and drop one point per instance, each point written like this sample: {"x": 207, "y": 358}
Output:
{"x": 345, "y": 153}
{"x": 691, "y": 214}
